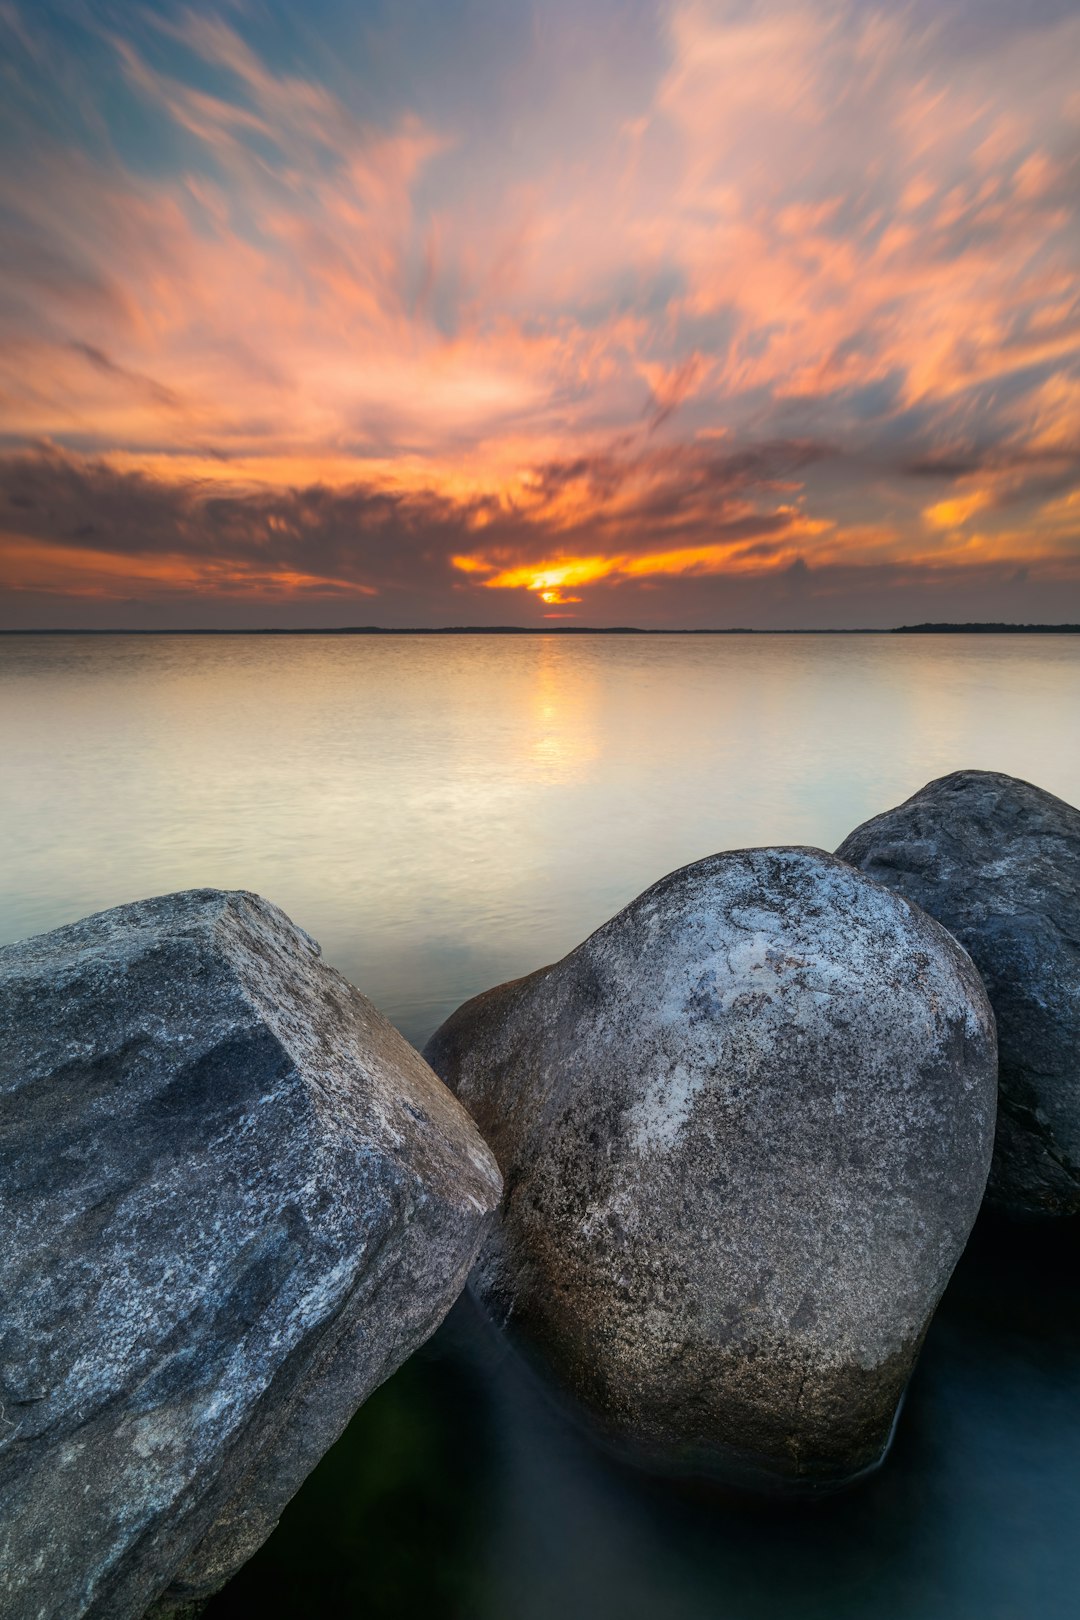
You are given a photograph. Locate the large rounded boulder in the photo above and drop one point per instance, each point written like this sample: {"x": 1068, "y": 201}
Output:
{"x": 744, "y": 1131}
{"x": 998, "y": 862}
{"x": 234, "y": 1200}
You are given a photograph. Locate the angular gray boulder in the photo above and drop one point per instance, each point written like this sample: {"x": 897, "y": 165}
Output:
{"x": 234, "y": 1199}
{"x": 998, "y": 862}
{"x": 744, "y": 1131}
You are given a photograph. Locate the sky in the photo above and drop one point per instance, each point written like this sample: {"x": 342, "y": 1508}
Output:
{"x": 573, "y": 312}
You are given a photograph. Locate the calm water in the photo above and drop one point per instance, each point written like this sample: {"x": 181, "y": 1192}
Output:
{"x": 446, "y": 813}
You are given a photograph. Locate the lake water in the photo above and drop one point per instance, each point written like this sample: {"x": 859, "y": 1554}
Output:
{"x": 443, "y": 813}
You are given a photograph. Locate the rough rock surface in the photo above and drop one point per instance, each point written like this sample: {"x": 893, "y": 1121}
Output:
{"x": 744, "y": 1131}
{"x": 998, "y": 862}
{"x": 234, "y": 1199}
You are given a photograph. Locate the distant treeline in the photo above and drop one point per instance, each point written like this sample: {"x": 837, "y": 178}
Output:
{"x": 987, "y": 629}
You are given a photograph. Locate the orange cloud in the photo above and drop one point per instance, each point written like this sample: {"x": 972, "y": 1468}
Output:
{"x": 952, "y": 513}
{"x": 552, "y": 359}
{"x": 552, "y": 576}
{"x": 27, "y": 565}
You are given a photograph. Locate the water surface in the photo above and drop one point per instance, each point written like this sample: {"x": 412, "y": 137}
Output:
{"x": 444, "y": 813}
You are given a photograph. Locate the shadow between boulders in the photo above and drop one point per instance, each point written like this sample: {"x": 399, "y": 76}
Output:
{"x": 1016, "y": 1282}
{"x": 391, "y": 1521}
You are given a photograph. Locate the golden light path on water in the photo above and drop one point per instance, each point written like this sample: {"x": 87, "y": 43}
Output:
{"x": 443, "y": 813}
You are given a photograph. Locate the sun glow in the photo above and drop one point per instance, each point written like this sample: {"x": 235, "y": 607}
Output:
{"x": 552, "y": 579}
{"x": 952, "y": 513}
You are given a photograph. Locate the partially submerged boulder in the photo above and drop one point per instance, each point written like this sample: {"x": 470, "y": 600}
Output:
{"x": 235, "y": 1199}
{"x": 744, "y": 1130}
{"x": 998, "y": 862}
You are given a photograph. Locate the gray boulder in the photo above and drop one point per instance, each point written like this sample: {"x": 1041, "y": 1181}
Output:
{"x": 234, "y": 1200}
{"x": 744, "y": 1131}
{"x": 998, "y": 862}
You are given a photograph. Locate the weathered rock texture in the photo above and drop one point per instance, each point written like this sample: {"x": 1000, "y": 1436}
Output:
{"x": 234, "y": 1200}
{"x": 998, "y": 862}
{"x": 744, "y": 1130}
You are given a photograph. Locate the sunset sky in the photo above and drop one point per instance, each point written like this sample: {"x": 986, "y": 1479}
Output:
{"x": 571, "y": 312}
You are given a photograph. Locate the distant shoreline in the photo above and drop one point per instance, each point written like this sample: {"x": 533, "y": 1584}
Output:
{"x": 569, "y": 630}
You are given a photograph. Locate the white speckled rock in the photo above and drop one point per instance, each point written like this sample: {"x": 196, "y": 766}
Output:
{"x": 998, "y": 862}
{"x": 234, "y": 1199}
{"x": 744, "y": 1131}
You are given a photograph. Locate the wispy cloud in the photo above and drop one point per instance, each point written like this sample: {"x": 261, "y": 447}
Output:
{"x": 740, "y": 288}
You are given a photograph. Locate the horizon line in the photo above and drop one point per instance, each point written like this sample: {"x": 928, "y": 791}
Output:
{"x": 929, "y": 627}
